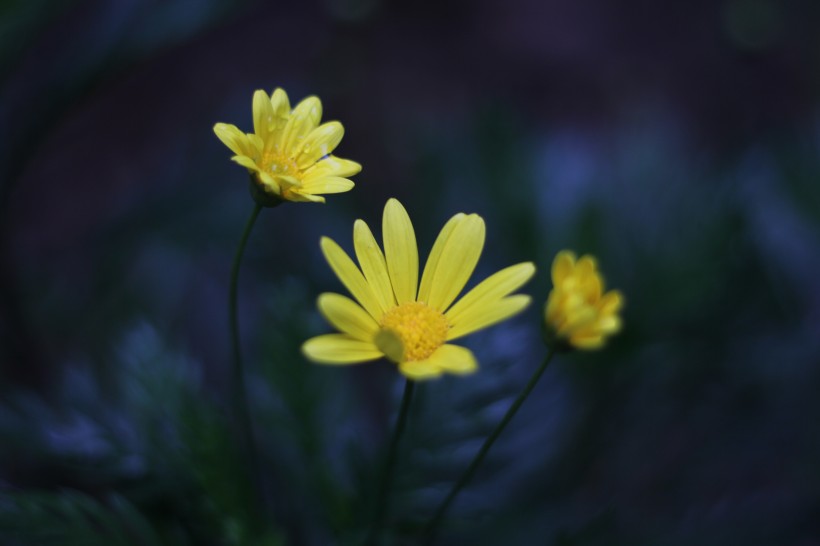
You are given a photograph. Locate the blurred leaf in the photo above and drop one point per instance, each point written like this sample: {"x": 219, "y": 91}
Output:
{"x": 70, "y": 518}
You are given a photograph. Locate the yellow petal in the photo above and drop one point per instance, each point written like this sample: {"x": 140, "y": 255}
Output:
{"x": 553, "y": 307}
{"x": 246, "y": 162}
{"x": 270, "y": 184}
{"x": 298, "y": 196}
{"x": 347, "y": 316}
{"x": 562, "y": 267}
{"x": 328, "y": 184}
{"x": 453, "y": 359}
{"x": 233, "y": 138}
{"x": 286, "y": 182}
{"x": 486, "y": 314}
{"x": 586, "y": 267}
{"x": 577, "y": 319}
{"x": 492, "y": 289}
{"x": 456, "y": 262}
{"x": 319, "y": 143}
{"x": 435, "y": 255}
{"x": 280, "y": 105}
{"x": 419, "y": 370}
{"x": 304, "y": 118}
{"x": 310, "y": 107}
{"x": 332, "y": 166}
{"x": 257, "y": 145}
{"x": 608, "y": 325}
{"x": 262, "y": 114}
{"x": 351, "y": 277}
{"x": 611, "y": 302}
{"x": 587, "y": 342}
{"x": 373, "y": 265}
{"x": 401, "y": 251}
{"x": 390, "y": 344}
{"x": 592, "y": 286}
{"x": 339, "y": 349}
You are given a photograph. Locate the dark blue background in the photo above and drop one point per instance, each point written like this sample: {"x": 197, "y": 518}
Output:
{"x": 679, "y": 143}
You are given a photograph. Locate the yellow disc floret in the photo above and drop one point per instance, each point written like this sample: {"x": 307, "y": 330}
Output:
{"x": 279, "y": 164}
{"x": 420, "y": 329}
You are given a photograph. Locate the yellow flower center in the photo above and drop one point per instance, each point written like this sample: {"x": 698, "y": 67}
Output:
{"x": 278, "y": 163}
{"x": 411, "y": 331}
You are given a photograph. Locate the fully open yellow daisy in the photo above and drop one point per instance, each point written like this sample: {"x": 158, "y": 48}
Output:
{"x": 410, "y": 323}
{"x": 578, "y": 312}
{"x": 288, "y": 154}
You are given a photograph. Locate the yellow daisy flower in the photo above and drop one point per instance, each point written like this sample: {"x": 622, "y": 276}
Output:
{"x": 578, "y": 312}
{"x": 407, "y": 322}
{"x": 288, "y": 154}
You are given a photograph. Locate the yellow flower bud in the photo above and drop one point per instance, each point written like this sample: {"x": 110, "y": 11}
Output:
{"x": 578, "y": 314}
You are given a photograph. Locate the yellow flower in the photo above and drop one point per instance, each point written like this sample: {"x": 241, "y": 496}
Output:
{"x": 397, "y": 318}
{"x": 288, "y": 154}
{"x": 578, "y": 313}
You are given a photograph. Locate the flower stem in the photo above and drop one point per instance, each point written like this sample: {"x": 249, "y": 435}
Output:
{"x": 430, "y": 530}
{"x": 392, "y": 451}
{"x": 240, "y": 398}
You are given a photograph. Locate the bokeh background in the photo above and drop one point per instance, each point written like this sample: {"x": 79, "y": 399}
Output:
{"x": 678, "y": 142}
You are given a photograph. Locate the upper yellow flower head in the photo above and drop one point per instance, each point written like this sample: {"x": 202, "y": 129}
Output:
{"x": 577, "y": 312}
{"x": 288, "y": 154}
{"x": 396, "y": 317}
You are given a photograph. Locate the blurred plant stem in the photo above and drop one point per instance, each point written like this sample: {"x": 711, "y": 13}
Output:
{"x": 240, "y": 397}
{"x": 430, "y": 530}
{"x": 390, "y": 462}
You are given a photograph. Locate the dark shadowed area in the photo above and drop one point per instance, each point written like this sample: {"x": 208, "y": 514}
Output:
{"x": 679, "y": 144}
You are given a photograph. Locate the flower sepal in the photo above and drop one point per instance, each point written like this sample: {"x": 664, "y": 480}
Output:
{"x": 262, "y": 196}
{"x": 551, "y": 339}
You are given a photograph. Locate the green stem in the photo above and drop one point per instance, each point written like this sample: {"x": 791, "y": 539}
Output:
{"x": 430, "y": 530}
{"x": 240, "y": 397}
{"x": 392, "y": 451}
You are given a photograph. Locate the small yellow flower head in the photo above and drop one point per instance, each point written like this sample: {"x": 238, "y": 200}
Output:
{"x": 578, "y": 314}
{"x": 288, "y": 154}
{"x": 410, "y": 323}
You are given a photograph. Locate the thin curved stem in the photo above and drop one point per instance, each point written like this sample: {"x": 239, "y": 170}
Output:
{"x": 392, "y": 451}
{"x": 240, "y": 397}
{"x": 430, "y": 530}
